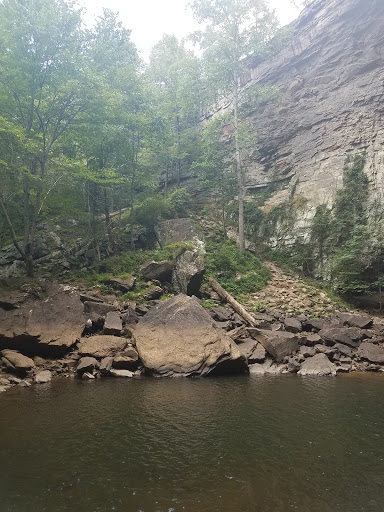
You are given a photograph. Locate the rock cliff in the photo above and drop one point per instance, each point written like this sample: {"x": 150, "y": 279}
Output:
{"x": 330, "y": 78}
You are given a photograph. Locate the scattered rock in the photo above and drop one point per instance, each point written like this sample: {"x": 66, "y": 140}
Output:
{"x": 155, "y": 292}
{"x": 106, "y": 365}
{"x": 293, "y": 325}
{"x": 258, "y": 355}
{"x": 121, "y": 373}
{"x": 127, "y": 360}
{"x": 307, "y": 351}
{"x": 87, "y": 365}
{"x": 124, "y": 285}
{"x": 97, "y": 311}
{"x": 113, "y": 324}
{"x": 345, "y": 335}
{"x": 371, "y": 352}
{"x": 360, "y": 321}
{"x": 101, "y": 346}
{"x": 277, "y": 343}
{"x": 317, "y": 365}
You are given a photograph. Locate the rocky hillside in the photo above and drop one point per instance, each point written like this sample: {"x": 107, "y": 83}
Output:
{"x": 330, "y": 79}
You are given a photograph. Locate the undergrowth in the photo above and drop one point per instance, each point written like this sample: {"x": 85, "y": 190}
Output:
{"x": 239, "y": 273}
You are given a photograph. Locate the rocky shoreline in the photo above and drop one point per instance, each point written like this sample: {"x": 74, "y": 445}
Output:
{"x": 63, "y": 332}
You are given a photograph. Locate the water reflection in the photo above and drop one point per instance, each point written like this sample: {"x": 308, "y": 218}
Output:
{"x": 269, "y": 444}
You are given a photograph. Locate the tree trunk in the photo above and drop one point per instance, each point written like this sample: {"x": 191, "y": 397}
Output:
{"x": 239, "y": 172}
{"x": 232, "y": 302}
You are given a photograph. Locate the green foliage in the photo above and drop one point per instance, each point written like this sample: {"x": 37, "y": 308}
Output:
{"x": 237, "y": 272}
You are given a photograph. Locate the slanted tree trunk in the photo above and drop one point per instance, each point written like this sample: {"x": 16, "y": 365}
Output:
{"x": 223, "y": 294}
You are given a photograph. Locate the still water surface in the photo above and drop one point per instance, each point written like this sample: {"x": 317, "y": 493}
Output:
{"x": 269, "y": 444}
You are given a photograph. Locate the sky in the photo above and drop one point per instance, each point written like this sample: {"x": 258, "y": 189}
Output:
{"x": 150, "y": 19}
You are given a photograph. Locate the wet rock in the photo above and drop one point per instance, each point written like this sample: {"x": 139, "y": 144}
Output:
{"x": 178, "y": 337}
{"x": 277, "y": 343}
{"x": 317, "y": 365}
{"x": 39, "y": 361}
{"x": 127, "y": 360}
{"x": 16, "y": 361}
{"x": 293, "y": 325}
{"x": 101, "y": 346}
{"x": 159, "y": 270}
{"x": 43, "y": 377}
{"x": 25, "y": 384}
{"x": 371, "y": 352}
{"x": 121, "y": 373}
{"x": 3, "y": 388}
{"x": 113, "y": 324}
{"x": 87, "y": 365}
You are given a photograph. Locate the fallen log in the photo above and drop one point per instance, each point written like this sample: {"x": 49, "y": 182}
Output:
{"x": 115, "y": 214}
{"x": 223, "y": 294}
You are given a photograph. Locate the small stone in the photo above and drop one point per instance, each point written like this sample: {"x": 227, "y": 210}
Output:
{"x": 43, "y": 377}
{"x": 121, "y": 373}
{"x": 87, "y": 376}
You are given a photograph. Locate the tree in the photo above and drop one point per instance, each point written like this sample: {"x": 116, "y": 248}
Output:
{"x": 234, "y": 31}
{"x": 44, "y": 88}
{"x": 175, "y": 72}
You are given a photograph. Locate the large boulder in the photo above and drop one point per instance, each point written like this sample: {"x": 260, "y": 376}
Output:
{"x": 49, "y": 325}
{"x": 13, "y": 360}
{"x": 179, "y": 338}
{"x": 360, "y": 321}
{"x": 278, "y": 344}
{"x": 97, "y": 311}
{"x": 371, "y": 352}
{"x": 113, "y": 323}
{"x": 101, "y": 346}
{"x": 157, "y": 270}
{"x": 188, "y": 272}
{"x": 174, "y": 231}
{"x": 317, "y": 365}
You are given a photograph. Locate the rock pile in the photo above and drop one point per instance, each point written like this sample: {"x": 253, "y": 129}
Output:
{"x": 282, "y": 344}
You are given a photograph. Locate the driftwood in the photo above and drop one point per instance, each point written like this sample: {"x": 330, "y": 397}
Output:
{"x": 232, "y": 302}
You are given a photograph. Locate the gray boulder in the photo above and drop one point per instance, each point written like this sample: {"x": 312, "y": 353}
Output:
{"x": 48, "y": 327}
{"x": 179, "y": 338}
{"x": 371, "y": 352}
{"x": 87, "y": 365}
{"x": 278, "y": 344}
{"x": 317, "y": 365}
{"x": 101, "y": 346}
{"x": 113, "y": 323}
{"x": 127, "y": 360}
{"x": 123, "y": 285}
{"x": 346, "y": 335}
{"x": 177, "y": 230}
{"x": 157, "y": 270}
{"x": 97, "y": 311}
{"x": 106, "y": 365}
{"x": 360, "y": 321}
{"x": 188, "y": 272}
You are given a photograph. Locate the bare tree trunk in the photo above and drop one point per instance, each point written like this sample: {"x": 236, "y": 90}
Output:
{"x": 232, "y": 302}
{"x": 239, "y": 172}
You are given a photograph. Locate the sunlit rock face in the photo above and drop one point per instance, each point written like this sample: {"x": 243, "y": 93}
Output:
{"x": 331, "y": 104}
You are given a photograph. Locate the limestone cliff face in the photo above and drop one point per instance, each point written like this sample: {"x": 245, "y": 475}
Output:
{"x": 331, "y": 80}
